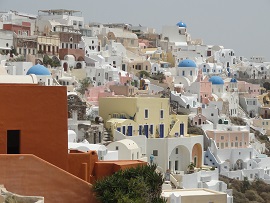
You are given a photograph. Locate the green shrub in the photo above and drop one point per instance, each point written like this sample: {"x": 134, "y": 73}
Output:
{"x": 135, "y": 185}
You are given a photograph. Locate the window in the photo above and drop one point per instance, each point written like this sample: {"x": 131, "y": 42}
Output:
{"x": 222, "y": 137}
{"x": 155, "y": 152}
{"x": 183, "y": 73}
{"x": 146, "y": 113}
{"x": 176, "y": 151}
{"x": 212, "y": 114}
{"x": 161, "y": 114}
{"x": 176, "y": 165}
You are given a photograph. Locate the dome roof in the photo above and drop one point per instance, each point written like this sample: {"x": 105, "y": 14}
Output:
{"x": 187, "y": 63}
{"x": 216, "y": 80}
{"x": 233, "y": 80}
{"x": 38, "y": 70}
{"x": 181, "y": 24}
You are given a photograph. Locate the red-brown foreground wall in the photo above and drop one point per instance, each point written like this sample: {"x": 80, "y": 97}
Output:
{"x": 82, "y": 164}
{"x": 30, "y": 175}
{"x": 108, "y": 168}
{"x": 40, "y": 113}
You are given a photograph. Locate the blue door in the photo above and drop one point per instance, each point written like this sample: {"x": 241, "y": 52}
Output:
{"x": 119, "y": 129}
{"x": 151, "y": 129}
{"x": 140, "y": 130}
{"x": 124, "y": 130}
{"x": 146, "y": 130}
{"x": 161, "y": 130}
{"x": 129, "y": 130}
{"x": 182, "y": 128}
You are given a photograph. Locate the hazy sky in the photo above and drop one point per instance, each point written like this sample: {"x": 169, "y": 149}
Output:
{"x": 242, "y": 25}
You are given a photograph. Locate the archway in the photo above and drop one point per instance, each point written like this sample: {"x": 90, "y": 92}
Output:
{"x": 239, "y": 164}
{"x": 179, "y": 158}
{"x": 197, "y": 155}
{"x": 80, "y": 58}
{"x": 78, "y": 65}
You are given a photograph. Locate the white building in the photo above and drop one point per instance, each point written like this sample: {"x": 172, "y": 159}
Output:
{"x": 6, "y": 40}
{"x": 127, "y": 149}
{"x": 211, "y": 68}
{"x": 226, "y": 57}
{"x": 18, "y": 68}
{"x": 61, "y": 16}
{"x": 85, "y": 147}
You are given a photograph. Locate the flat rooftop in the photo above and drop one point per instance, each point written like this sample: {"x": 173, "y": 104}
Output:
{"x": 190, "y": 192}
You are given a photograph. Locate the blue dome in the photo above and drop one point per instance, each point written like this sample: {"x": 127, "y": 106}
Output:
{"x": 181, "y": 24}
{"x": 233, "y": 80}
{"x": 187, "y": 63}
{"x": 38, "y": 70}
{"x": 216, "y": 80}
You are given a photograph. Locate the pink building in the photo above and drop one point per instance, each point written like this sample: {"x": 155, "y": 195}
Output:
{"x": 229, "y": 139}
{"x": 205, "y": 88}
{"x": 125, "y": 78}
{"x": 251, "y": 90}
{"x": 143, "y": 43}
{"x": 94, "y": 93}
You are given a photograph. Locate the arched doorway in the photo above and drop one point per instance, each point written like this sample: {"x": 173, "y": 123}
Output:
{"x": 239, "y": 164}
{"x": 179, "y": 158}
{"x": 65, "y": 65}
{"x": 197, "y": 155}
{"x": 220, "y": 121}
{"x": 78, "y": 66}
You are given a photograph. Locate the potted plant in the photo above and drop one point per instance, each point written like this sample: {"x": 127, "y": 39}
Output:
{"x": 191, "y": 167}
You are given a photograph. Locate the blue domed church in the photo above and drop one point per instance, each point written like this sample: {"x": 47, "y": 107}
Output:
{"x": 42, "y": 73}
{"x": 217, "y": 85}
{"x": 187, "y": 68}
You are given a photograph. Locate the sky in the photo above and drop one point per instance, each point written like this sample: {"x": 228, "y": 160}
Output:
{"x": 242, "y": 25}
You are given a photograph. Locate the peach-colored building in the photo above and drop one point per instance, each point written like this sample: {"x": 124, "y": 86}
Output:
{"x": 94, "y": 93}
{"x": 250, "y": 90}
{"x": 229, "y": 139}
{"x": 125, "y": 90}
{"x": 124, "y": 79}
{"x": 199, "y": 119}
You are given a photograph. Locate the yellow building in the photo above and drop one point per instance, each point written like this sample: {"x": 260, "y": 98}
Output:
{"x": 48, "y": 44}
{"x": 142, "y": 116}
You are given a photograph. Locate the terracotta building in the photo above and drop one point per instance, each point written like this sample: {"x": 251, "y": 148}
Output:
{"x": 34, "y": 155}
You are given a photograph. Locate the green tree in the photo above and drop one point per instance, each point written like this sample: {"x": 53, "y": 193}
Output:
{"x": 245, "y": 184}
{"x": 47, "y": 60}
{"x": 84, "y": 83}
{"x": 144, "y": 74}
{"x": 135, "y": 185}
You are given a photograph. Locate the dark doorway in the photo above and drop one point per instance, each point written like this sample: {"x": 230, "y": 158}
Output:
{"x": 13, "y": 142}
